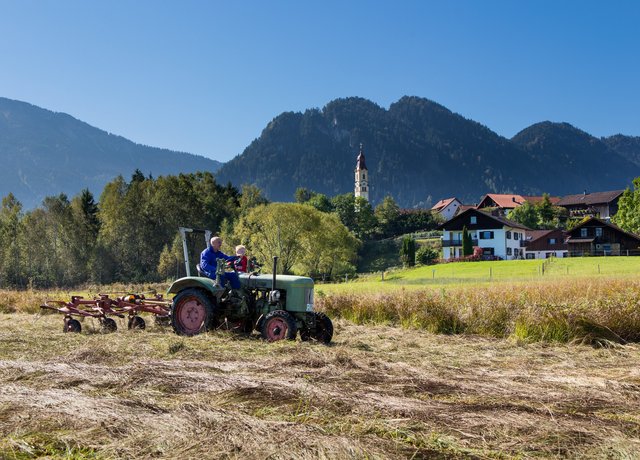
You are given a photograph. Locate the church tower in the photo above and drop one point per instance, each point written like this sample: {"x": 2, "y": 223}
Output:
{"x": 362, "y": 177}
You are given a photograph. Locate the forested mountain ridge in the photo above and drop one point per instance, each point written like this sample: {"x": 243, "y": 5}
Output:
{"x": 419, "y": 151}
{"x": 45, "y": 153}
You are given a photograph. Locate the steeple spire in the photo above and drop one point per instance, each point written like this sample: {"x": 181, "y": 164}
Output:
{"x": 361, "y": 176}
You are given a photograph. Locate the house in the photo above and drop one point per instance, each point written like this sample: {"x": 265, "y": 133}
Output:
{"x": 599, "y": 204}
{"x": 542, "y": 244}
{"x": 447, "y": 208}
{"x": 506, "y": 202}
{"x": 597, "y": 237}
{"x": 497, "y": 236}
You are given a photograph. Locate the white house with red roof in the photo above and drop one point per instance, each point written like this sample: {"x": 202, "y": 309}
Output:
{"x": 448, "y": 207}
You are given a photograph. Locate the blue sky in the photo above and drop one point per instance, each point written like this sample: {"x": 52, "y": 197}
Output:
{"x": 206, "y": 77}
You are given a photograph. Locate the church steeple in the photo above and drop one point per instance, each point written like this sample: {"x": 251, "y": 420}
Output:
{"x": 361, "y": 175}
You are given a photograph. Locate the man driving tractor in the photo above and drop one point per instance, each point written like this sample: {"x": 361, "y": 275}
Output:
{"x": 208, "y": 263}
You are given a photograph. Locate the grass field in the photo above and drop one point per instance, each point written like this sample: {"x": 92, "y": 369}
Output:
{"x": 508, "y": 374}
{"x": 484, "y": 273}
{"x": 376, "y": 392}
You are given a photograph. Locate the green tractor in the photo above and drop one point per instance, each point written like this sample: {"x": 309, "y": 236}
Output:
{"x": 276, "y": 306}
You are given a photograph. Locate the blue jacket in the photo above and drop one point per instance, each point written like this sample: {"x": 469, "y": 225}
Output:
{"x": 208, "y": 263}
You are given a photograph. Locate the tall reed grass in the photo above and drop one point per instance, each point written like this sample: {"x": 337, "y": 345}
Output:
{"x": 594, "y": 311}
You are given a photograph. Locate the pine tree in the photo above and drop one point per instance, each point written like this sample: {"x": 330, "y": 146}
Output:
{"x": 467, "y": 242}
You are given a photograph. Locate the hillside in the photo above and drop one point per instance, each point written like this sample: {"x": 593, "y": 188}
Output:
{"x": 45, "y": 153}
{"x": 627, "y": 146}
{"x": 419, "y": 151}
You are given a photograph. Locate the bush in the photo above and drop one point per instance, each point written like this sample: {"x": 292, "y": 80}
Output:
{"x": 426, "y": 255}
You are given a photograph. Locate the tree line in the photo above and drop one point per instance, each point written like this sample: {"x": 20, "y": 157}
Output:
{"x": 131, "y": 233}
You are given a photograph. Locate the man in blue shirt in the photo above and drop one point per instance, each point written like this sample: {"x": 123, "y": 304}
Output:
{"x": 208, "y": 263}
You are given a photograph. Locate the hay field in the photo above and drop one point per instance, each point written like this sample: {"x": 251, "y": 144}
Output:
{"x": 377, "y": 392}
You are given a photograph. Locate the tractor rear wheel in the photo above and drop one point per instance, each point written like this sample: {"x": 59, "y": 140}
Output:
{"x": 136, "y": 323}
{"x": 72, "y": 325}
{"x": 109, "y": 325}
{"x": 191, "y": 312}
{"x": 323, "y": 331}
{"x": 278, "y": 325}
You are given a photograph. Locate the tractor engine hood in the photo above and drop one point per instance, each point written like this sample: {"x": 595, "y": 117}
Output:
{"x": 282, "y": 281}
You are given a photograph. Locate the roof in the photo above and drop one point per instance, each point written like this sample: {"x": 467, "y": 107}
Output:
{"x": 360, "y": 164}
{"x": 590, "y": 198}
{"x": 503, "y": 200}
{"x": 443, "y": 204}
{"x": 604, "y": 223}
{"x": 533, "y": 235}
{"x": 500, "y": 220}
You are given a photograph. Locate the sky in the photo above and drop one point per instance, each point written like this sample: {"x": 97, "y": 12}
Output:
{"x": 206, "y": 77}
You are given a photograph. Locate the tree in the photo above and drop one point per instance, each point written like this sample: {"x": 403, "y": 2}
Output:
{"x": 10, "y": 230}
{"x": 628, "y": 215}
{"x": 546, "y": 212}
{"x": 525, "y": 214}
{"x": 301, "y": 236}
{"x": 302, "y": 195}
{"x": 387, "y": 213}
{"x": 425, "y": 255}
{"x": 321, "y": 202}
{"x": 467, "y": 242}
{"x": 408, "y": 251}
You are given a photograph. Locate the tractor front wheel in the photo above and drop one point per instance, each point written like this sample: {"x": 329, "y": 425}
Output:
{"x": 278, "y": 325}
{"x": 191, "y": 312}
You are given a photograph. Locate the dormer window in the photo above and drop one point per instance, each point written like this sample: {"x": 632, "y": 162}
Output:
{"x": 473, "y": 220}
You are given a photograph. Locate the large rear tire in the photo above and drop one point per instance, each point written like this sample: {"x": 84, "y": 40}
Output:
{"x": 191, "y": 312}
{"x": 278, "y": 325}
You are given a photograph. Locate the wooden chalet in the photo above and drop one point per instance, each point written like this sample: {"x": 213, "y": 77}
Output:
{"x": 599, "y": 204}
{"x": 597, "y": 237}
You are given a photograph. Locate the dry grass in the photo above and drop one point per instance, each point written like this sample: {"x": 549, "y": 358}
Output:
{"x": 378, "y": 392}
{"x": 595, "y": 311}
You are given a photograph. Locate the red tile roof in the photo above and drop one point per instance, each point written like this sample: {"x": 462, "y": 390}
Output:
{"x": 442, "y": 204}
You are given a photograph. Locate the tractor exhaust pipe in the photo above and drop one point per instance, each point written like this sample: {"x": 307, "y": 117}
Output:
{"x": 275, "y": 268}
{"x": 274, "y": 295}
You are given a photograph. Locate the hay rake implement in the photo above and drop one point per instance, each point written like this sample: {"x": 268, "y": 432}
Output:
{"x": 104, "y": 307}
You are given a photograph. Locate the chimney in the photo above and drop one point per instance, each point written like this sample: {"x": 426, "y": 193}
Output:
{"x": 585, "y": 192}
{"x": 513, "y": 198}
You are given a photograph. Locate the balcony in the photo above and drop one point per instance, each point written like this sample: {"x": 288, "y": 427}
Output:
{"x": 456, "y": 243}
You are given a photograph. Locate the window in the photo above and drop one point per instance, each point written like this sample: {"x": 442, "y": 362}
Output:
{"x": 598, "y": 231}
{"x": 486, "y": 235}
{"x": 551, "y": 241}
{"x": 516, "y": 252}
{"x": 474, "y": 220}
{"x": 508, "y": 235}
{"x": 530, "y": 255}
{"x": 583, "y": 232}
{"x": 516, "y": 235}
{"x": 508, "y": 251}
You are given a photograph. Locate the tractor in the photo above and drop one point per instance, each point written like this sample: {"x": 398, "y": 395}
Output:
{"x": 277, "y": 306}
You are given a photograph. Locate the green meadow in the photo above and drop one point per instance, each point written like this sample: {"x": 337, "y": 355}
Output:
{"x": 486, "y": 273}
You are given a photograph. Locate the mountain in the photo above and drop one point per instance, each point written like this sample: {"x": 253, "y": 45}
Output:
{"x": 575, "y": 158}
{"x": 419, "y": 151}
{"x": 626, "y": 146}
{"x": 45, "y": 153}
